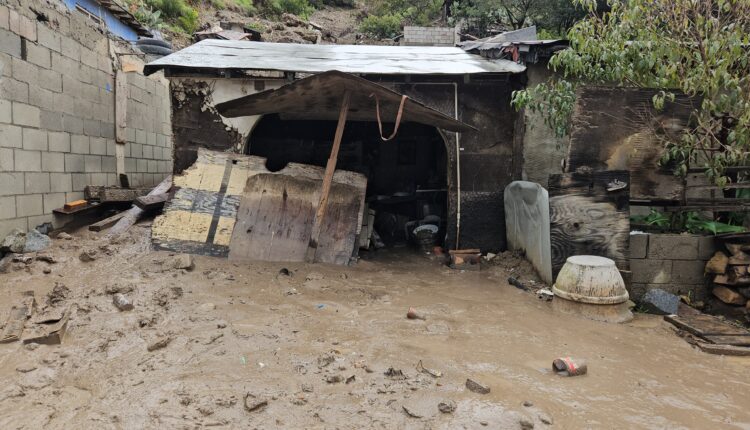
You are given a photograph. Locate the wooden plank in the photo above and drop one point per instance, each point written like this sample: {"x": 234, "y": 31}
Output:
{"x": 619, "y": 129}
{"x": 328, "y": 179}
{"x": 586, "y": 219}
{"x": 151, "y": 201}
{"x": 737, "y": 351}
{"x": 704, "y": 325}
{"x": 16, "y": 322}
{"x": 736, "y": 340}
{"x": 132, "y": 215}
{"x": 106, "y": 222}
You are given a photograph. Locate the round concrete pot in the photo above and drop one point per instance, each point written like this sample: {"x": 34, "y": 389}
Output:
{"x": 590, "y": 279}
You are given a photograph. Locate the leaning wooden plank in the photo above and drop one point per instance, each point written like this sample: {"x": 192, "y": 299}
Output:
{"x": 151, "y": 202}
{"x": 106, "y": 222}
{"x": 19, "y": 313}
{"x": 132, "y": 215}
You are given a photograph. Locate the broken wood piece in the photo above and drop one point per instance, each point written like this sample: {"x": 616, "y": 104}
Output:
{"x": 739, "y": 259}
{"x": 53, "y": 334}
{"x": 106, "y": 222}
{"x": 75, "y": 204}
{"x": 132, "y": 215}
{"x": 151, "y": 201}
{"x": 464, "y": 251}
{"x": 728, "y": 295}
{"x": 19, "y": 313}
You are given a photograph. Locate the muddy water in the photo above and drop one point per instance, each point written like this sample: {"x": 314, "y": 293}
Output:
{"x": 238, "y": 329}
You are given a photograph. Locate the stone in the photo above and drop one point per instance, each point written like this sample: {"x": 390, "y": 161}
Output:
{"x": 253, "y": 402}
{"x": 476, "y": 387}
{"x": 159, "y": 343}
{"x": 46, "y": 258}
{"x": 447, "y": 406}
{"x": 64, "y": 236}
{"x": 121, "y": 302}
{"x": 88, "y": 255}
{"x": 526, "y": 423}
{"x": 36, "y": 241}
{"x": 728, "y": 295}
{"x": 182, "y": 261}
{"x": 15, "y": 241}
{"x": 660, "y": 302}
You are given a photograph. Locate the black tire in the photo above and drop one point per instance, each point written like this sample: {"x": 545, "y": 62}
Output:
{"x": 154, "y": 50}
{"x": 153, "y": 42}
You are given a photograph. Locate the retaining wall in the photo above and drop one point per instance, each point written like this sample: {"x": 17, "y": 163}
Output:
{"x": 429, "y": 36}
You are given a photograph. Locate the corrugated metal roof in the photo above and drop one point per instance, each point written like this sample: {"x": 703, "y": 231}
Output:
{"x": 365, "y": 59}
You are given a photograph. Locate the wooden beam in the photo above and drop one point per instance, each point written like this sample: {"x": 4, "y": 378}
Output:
{"x": 327, "y": 180}
{"x": 106, "y": 222}
{"x": 132, "y": 215}
{"x": 150, "y": 202}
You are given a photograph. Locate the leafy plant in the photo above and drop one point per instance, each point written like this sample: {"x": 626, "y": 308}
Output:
{"x": 686, "y": 221}
{"x": 695, "y": 47}
{"x": 301, "y": 8}
{"x": 383, "y": 26}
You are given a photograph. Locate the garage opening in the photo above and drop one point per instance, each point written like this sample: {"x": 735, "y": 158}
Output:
{"x": 407, "y": 176}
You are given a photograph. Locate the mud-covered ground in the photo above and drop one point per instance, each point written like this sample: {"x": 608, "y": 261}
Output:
{"x": 243, "y": 346}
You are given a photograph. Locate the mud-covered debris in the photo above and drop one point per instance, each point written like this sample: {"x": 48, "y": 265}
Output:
{"x": 413, "y": 315}
{"x": 307, "y": 388}
{"x": 221, "y": 324}
{"x": 15, "y": 241}
{"x": 24, "y": 259}
{"x": 5, "y": 263}
{"x": 163, "y": 295}
{"x": 334, "y": 379}
{"x": 159, "y": 343}
{"x": 121, "y": 302}
{"x": 411, "y": 412}
{"x": 182, "y": 261}
{"x": 525, "y": 423}
{"x": 351, "y": 379}
{"x": 285, "y": 272}
{"x": 567, "y": 366}
{"x": 25, "y": 368}
{"x": 64, "y": 236}
{"x": 46, "y": 258}
{"x": 394, "y": 373}
{"x": 432, "y": 372}
{"x": 447, "y": 406}
{"x": 254, "y": 403}
{"x": 527, "y": 403}
{"x": 207, "y": 307}
{"x": 58, "y": 294}
{"x": 314, "y": 276}
{"x": 36, "y": 241}
{"x": 544, "y": 418}
{"x": 118, "y": 288}
{"x": 476, "y": 387}
{"x": 46, "y": 270}
{"x": 326, "y": 359}
{"x": 88, "y": 255}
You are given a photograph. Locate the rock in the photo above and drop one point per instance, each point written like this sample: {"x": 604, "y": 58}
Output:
{"x": 526, "y": 423}
{"x": 253, "y": 402}
{"x": 394, "y": 373}
{"x": 545, "y": 419}
{"x": 182, "y": 261}
{"x": 20, "y": 258}
{"x": 36, "y": 241}
{"x": 221, "y": 324}
{"x": 660, "y": 302}
{"x": 88, "y": 255}
{"x": 447, "y": 406}
{"x": 528, "y": 403}
{"x": 206, "y": 307}
{"x": 58, "y": 294}
{"x": 15, "y": 241}
{"x": 25, "y": 368}
{"x": 159, "y": 343}
{"x": 476, "y": 387}
{"x": 334, "y": 379}
{"x": 411, "y": 412}
{"x": 46, "y": 270}
{"x": 64, "y": 236}
{"x": 307, "y": 388}
{"x": 121, "y": 302}
{"x": 717, "y": 264}
{"x": 46, "y": 258}
{"x": 728, "y": 295}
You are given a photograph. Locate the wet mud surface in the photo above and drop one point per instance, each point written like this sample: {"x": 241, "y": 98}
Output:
{"x": 228, "y": 345}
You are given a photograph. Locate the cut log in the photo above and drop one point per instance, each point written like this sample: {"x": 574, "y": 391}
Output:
{"x": 740, "y": 258}
{"x": 728, "y": 295}
{"x": 717, "y": 264}
{"x": 723, "y": 280}
{"x": 106, "y": 222}
{"x": 734, "y": 248}
{"x": 151, "y": 201}
{"x": 132, "y": 215}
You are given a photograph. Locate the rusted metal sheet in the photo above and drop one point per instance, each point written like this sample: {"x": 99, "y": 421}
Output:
{"x": 369, "y": 59}
{"x": 319, "y": 97}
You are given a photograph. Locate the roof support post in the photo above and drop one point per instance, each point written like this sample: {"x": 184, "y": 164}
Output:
{"x": 328, "y": 180}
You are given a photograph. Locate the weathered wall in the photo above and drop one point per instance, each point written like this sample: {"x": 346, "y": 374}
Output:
{"x": 486, "y": 160}
{"x": 543, "y": 152}
{"x": 57, "y": 113}
{"x": 429, "y": 36}
{"x": 672, "y": 262}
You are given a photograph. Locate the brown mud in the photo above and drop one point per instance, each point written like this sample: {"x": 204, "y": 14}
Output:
{"x": 226, "y": 345}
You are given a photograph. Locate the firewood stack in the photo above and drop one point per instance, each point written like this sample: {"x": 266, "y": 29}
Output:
{"x": 731, "y": 275}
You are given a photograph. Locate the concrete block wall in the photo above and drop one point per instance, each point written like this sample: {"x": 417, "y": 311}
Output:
{"x": 57, "y": 113}
{"x": 429, "y": 36}
{"x": 672, "y": 262}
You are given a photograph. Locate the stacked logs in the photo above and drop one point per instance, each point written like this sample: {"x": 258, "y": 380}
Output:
{"x": 731, "y": 282}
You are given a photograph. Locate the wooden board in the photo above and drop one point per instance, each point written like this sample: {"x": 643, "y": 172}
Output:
{"x": 106, "y": 222}
{"x": 586, "y": 219}
{"x": 618, "y": 129}
{"x": 151, "y": 202}
{"x": 276, "y": 215}
{"x": 704, "y": 325}
{"x": 16, "y": 322}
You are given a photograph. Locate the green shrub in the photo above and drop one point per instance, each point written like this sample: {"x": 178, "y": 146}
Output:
{"x": 246, "y": 6}
{"x": 301, "y": 8}
{"x": 382, "y": 26}
{"x": 188, "y": 21}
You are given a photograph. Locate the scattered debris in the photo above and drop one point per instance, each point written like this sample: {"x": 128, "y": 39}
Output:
{"x": 121, "y": 302}
{"x": 476, "y": 387}
{"x": 51, "y": 334}
{"x": 14, "y": 242}
{"x": 46, "y": 258}
{"x": 413, "y": 315}
{"x": 58, "y": 294}
{"x": 465, "y": 259}
{"x": 517, "y": 283}
{"x": 64, "y": 236}
{"x": 394, "y": 373}
{"x": 350, "y": 379}
{"x": 545, "y": 294}
{"x": 254, "y": 403}
{"x": 433, "y": 373}
{"x": 566, "y": 366}
{"x": 36, "y": 241}
{"x": 660, "y": 302}
{"x": 159, "y": 343}
{"x": 19, "y": 313}
{"x": 88, "y": 255}
{"x": 447, "y": 406}
{"x": 182, "y": 261}
{"x": 411, "y": 412}
{"x": 334, "y": 379}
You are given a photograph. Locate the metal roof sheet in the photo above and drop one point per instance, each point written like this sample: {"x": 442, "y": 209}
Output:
{"x": 364, "y": 59}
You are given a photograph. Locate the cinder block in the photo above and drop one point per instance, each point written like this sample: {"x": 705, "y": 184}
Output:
{"x": 12, "y": 89}
{"x": 73, "y": 196}
{"x": 51, "y": 121}
{"x": 42, "y": 98}
{"x": 151, "y": 138}
{"x": 11, "y": 136}
{"x": 8, "y": 225}
{"x": 34, "y": 139}
{"x": 130, "y": 165}
{"x": 26, "y": 115}
{"x": 136, "y": 150}
{"x": 7, "y": 207}
{"x": 29, "y": 205}
{"x": 140, "y": 136}
{"x": 80, "y": 180}
{"x": 27, "y": 29}
{"x": 142, "y": 165}
{"x": 706, "y": 247}
{"x": 673, "y": 247}
{"x": 37, "y": 183}
{"x": 152, "y": 166}
{"x": 70, "y": 48}
{"x": 6, "y": 160}
{"x": 651, "y": 271}
{"x": 88, "y": 57}
{"x": 50, "y": 80}
{"x": 38, "y": 55}
{"x": 72, "y": 124}
{"x": 92, "y": 163}
{"x": 107, "y": 130}
{"x": 36, "y": 221}
{"x": 112, "y": 180}
{"x": 98, "y": 179}
{"x": 59, "y": 141}
{"x": 79, "y": 144}
{"x": 148, "y": 151}
{"x": 91, "y": 127}
{"x": 74, "y": 163}
{"x": 10, "y": 43}
{"x": 109, "y": 164}
{"x": 28, "y": 161}
{"x": 98, "y": 146}
{"x": 25, "y": 72}
{"x": 638, "y": 245}
{"x": 48, "y": 37}
{"x": 4, "y": 12}
{"x": 6, "y": 111}
{"x": 688, "y": 272}
{"x": 53, "y": 162}
{"x": 11, "y": 183}
{"x": 111, "y": 147}
{"x": 61, "y": 182}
